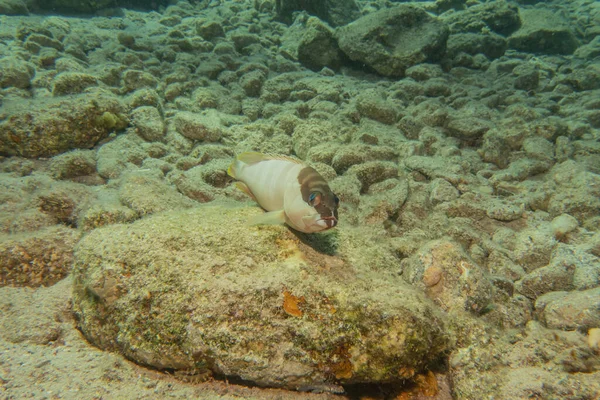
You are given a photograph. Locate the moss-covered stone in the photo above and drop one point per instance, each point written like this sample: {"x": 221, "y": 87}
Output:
{"x": 200, "y": 289}
{"x": 73, "y": 164}
{"x": 47, "y": 128}
{"x": 39, "y": 258}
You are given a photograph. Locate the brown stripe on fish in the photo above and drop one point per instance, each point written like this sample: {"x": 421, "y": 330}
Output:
{"x": 310, "y": 180}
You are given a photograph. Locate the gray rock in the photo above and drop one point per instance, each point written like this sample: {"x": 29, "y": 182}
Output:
{"x": 72, "y": 83}
{"x": 556, "y": 276}
{"x": 520, "y": 169}
{"x": 539, "y": 148}
{"x": 504, "y": 211}
{"x": 589, "y": 50}
{"x": 373, "y": 104}
{"x": 148, "y": 123}
{"x": 448, "y": 276}
{"x": 334, "y": 12}
{"x": 119, "y": 155}
{"x": 545, "y": 32}
{"x": 193, "y": 185}
{"x": 492, "y": 45}
{"x": 584, "y": 78}
{"x": 106, "y": 209}
{"x": 372, "y": 172}
{"x": 242, "y": 39}
{"x": 570, "y": 311}
{"x": 318, "y": 47}
{"x": 146, "y": 193}
{"x": 73, "y": 164}
{"x": 468, "y": 128}
{"x": 15, "y": 72}
{"x": 13, "y": 7}
{"x": 201, "y": 291}
{"x": 578, "y": 193}
{"x": 252, "y": 82}
{"x": 209, "y": 29}
{"x": 36, "y": 41}
{"x": 383, "y": 201}
{"x": 435, "y": 167}
{"x": 135, "y": 79}
{"x": 441, "y": 191}
{"x": 357, "y": 153}
{"x": 498, "y": 16}
{"x": 51, "y": 126}
{"x": 204, "y": 127}
{"x": 394, "y": 39}
{"x": 421, "y": 72}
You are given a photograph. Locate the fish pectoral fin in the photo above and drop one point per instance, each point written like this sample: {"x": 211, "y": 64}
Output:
{"x": 244, "y": 188}
{"x": 268, "y": 218}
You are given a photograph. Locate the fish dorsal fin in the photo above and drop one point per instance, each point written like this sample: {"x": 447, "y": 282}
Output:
{"x": 283, "y": 158}
{"x": 253, "y": 157}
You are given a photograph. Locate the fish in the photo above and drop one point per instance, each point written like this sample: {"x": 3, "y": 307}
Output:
{"x": 288, "y": 190}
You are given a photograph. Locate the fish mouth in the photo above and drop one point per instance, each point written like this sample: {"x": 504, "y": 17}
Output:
{"x": 330, "y": 221}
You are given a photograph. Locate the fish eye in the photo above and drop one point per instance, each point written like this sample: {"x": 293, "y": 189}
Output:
{"x": 314, "y": 199}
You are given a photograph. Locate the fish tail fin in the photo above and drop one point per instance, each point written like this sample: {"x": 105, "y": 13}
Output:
{"x": 233, "y": 169}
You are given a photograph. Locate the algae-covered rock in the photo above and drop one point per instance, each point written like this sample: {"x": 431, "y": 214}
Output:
{"x": 73, "y": 164}
{"x": 449, "y": 276}
{"x": 570, "y": 310}
{"x": 13, "y": 7}
{"x": 318, "y": 48}
{"x": 206, "y": 127}
{"x": 72, "y": 83}
{"x": 63, "y": 201}
{"x": 39, "y": 258}
{"x": 393, "y": 39}
{"x": 48, "y": 127}
{"x": 544, "y": 31}
{"x": 146, "y": 193}
{"x": 15, "y": 72}
{"x": 499, "y": 16}
{"x": 517, "y": 365}
{"x": 148, "y": 123}
{"x": 201, "y": 290}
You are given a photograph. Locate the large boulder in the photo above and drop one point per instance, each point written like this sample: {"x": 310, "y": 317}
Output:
{"x": 48, "y": 127}
{"x": 318, "y": 48}
{"x": 497, "y": 16}
{"x": 393, "y": 39}
{"x": 202, "y": 291}
{"x": 543, "y": 31}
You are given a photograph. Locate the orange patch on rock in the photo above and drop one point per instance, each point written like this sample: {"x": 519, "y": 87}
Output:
{"x": 427, "y": 384}
{"x": 342, "y": 367}
{"x": 292, "y": 304}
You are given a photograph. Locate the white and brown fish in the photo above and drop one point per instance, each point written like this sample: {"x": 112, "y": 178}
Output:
{"x": 290, "y": 191}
